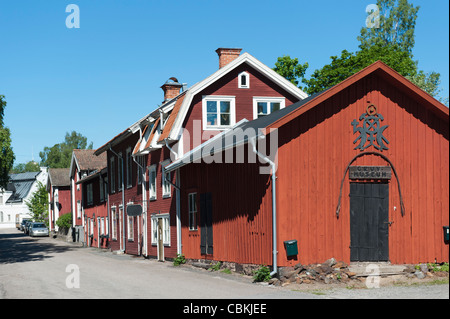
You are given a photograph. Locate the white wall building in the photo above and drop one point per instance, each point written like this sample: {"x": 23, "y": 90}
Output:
{"x": 19, "y": 190}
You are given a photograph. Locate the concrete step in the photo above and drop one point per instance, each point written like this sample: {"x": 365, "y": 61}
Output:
{"x": 364, "y": 269}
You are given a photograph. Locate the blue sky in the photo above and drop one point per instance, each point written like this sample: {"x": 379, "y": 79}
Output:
{"x": 104, "y": 76}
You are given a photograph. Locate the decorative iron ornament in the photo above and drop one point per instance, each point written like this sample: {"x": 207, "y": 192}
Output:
{"x": 371, "y": 131}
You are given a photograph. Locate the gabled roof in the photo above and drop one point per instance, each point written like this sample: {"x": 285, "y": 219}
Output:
{"x": 262, "y": 126}
{"x": 58, "y": 177}
{"x": 179, "y": 105}
{"x": 378, "y": 68}
{"x": 86, "y": 160}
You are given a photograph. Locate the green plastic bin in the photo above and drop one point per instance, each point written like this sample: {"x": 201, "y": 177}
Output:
{"x": 291, "y": 247}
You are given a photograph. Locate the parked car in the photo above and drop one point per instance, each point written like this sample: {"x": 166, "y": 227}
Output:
{"x": 22, "y": 224}
{"x": 27, "y": 226}
{"x": 38, "y": 229}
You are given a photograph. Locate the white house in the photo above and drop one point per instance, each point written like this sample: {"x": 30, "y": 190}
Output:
{"x": 13, "y": 199}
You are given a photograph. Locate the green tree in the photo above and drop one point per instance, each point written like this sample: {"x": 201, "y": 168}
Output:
{"x": 392, "y": 43}
{"x": 397, "y": 22}
{"x": 6, "y": 153}
{"x": 59, "y": 155}
{"x": 290, "y": 68}
{"x": 31, "y": 166}
{"x": 38, "y": 204}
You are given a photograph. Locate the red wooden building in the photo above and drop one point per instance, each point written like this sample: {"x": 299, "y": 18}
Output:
{"x": 58, "y": 188}
{"x": 360, "y": 173}
{"x": 242, "y": 87}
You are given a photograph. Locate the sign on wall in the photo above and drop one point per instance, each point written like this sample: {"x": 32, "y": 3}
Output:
{"x": 370, "y": 172}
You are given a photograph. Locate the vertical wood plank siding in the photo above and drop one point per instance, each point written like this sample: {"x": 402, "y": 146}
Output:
{"x": 314, "y": 151}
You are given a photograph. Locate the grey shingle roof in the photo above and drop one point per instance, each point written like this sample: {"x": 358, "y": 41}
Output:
{"x": 59, "y": 176}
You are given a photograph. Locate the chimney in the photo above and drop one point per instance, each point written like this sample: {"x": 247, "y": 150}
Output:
{"x": 227, "y": 55}
{"x": 171, "y": 89}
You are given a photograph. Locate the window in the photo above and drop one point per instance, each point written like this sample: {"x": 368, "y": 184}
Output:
{"x": 218, "y": 112}
{"x": 130, "y": 228}
{"x": 91, "y": 226}
{"x": 165, "y": 229}
{"x": 129, "y": 162}
{"x": 152, "y": 182}
{"x": 244, "y": 80}
{"x": 78, "y": 209}
{"x": 102, "y": 225}
{"x": 106, "y": 226}
{"x": 140, "y": 171}
{"x": 90, "y": 195}
{"x": 192, "y": 204}
{"x": 113, "y": 175}
{"x": 102, "y": 188}
{"x": 114, "y": 222}
{"x": 265, "y": 105}
{"x": 119, "y": 173}
{"x": 165, "y": 178}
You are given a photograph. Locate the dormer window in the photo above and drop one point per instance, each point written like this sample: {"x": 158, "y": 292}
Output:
{"x": 244, "y": 80}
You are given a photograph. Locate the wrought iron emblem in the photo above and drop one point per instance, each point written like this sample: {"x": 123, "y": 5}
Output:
{"x": 371, "y": 131}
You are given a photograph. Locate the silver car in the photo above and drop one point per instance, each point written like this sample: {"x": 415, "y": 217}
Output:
{"x": 38, "y": 229}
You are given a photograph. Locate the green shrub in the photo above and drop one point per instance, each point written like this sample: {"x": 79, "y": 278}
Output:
{"x": 179, "y": 260}
{"x": 65, "y": 221}
{"x": 262, "y": 274}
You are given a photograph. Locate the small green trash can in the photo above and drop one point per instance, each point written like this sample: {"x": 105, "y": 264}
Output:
{"x": 291, "y": 247}
{"x": 446, "y": 237}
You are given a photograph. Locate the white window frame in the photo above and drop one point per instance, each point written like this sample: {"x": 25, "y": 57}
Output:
{"x": 89, "y": 194}
{"x": 130, "y": 228}
{"x": 266, "y": 99}
{"x": 192, "y": 210}
{"x": 218, "y": 98}
{"x": 166, "y": 229}
{"x": 247, "y": 80}
{"x": 166, "y": 187}
{"x": 152, "y": 180}
{"x": 102, "y": 225}
{"x": 78, "y": 209}
{"x": 115, "y": 221}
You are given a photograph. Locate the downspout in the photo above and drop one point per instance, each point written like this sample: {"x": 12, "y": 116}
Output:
{"x": 178, "y": 199}
{"x": 123, "y": 200}
{"x": 274, "y": 205}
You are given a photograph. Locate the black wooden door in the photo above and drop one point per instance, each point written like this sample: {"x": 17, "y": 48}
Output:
{"x": 206, "y": 229}
{"x": 369, "y": 222}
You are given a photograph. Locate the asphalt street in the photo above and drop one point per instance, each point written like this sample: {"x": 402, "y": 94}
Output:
{"x": 47, "y": 268}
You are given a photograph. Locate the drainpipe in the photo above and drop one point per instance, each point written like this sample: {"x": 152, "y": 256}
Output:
{"x": 123, "y": 200}
{"x": 274, "y": 205}
{"x": 178, "y": 199}
{"x": 144, "y": 198}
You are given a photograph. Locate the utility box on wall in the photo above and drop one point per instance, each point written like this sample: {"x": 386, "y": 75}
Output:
{"x": 291, "y": 247}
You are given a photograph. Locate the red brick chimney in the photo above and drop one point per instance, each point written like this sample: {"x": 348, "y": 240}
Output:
{"x": 227, "y": 55}
{"x": 171, "y": 88}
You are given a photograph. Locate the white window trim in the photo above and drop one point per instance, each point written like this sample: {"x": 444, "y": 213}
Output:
{"x": 267, "y": 99}
{"x": 152, "y": 194}
{"x": 113, "y": 218}
{"x": 218, "y": 98}
{"x": 130, "y": 228}
{"x": 156, "y": 217}
{"x": 247, "y": 85}
{"x": 165, "y": 194}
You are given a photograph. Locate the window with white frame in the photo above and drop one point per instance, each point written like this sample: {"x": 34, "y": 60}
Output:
{"x": 192, "y": 204}
{"x": 219, "y": 112}
{"x": 91, "y": 226}
{"x": 152, "y": 182}
{"x": 266, "y": 105}
{"x": 114, "y": 222}
{"x": 102, "y": 225}
{"x": 130, "y": 228}
{"x": 244, "y": 80}
{"x": 78, "y": 209}
{"x": 129, "y": 162}
{"x": 90, "y": 194}
{"x": 165, "y": 178}
{"x": 165, "y": 229}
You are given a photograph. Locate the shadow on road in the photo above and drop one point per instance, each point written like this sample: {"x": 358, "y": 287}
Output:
{"x": 18, "y": 247}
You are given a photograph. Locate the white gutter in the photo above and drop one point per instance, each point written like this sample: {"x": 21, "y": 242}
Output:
{"x": 274, "y": 205}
